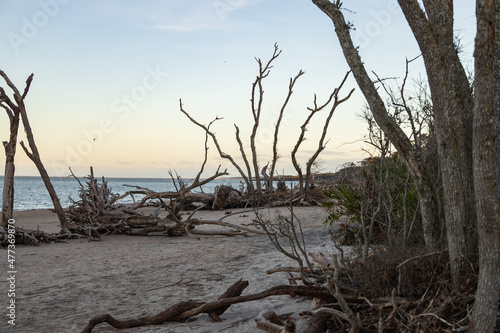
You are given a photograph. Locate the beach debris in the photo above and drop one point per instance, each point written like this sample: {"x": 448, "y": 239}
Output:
{"x": 98, "y": 211}
{"x": 184, "y": 310}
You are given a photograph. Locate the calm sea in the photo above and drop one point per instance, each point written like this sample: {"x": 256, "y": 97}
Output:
{"x": 30, "y": 192}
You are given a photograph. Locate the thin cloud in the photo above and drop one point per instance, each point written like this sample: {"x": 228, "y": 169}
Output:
{"x": 178, "y": 16}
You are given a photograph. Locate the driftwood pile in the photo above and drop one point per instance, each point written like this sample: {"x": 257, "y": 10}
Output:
{"x": 267, "y": 320}
{"x": 31, "y": 237}
{"x": 97, "y": 212}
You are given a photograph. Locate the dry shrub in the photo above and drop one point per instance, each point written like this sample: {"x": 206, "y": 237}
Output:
{"x": 380, "y": 274}
{"x": 421, "y": 281}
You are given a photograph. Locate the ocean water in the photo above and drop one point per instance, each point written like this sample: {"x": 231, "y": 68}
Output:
{"x": 30, "y": 192}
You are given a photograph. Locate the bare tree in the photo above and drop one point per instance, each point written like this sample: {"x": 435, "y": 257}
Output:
{"x": 252, "y": 172}
{"x": 277, "y": 127}
{"x": 304, "y": 186}
{"x": 34, "y": 155}
{"x": 13, "y": 109}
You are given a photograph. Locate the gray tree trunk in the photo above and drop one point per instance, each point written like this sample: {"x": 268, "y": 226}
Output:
{"x": 8, "y": 179}
{"x": 485, "y": 167}
{"x": 13, "y": 109}
{"x": 34, "y": 155}
{"x": 453, "y": 104}
{"x": 396, "y": 135}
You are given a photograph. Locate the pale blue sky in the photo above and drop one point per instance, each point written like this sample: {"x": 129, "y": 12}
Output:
{"x": 114, "y": 71}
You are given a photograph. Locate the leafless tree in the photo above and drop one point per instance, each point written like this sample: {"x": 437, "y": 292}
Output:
{"x": 17, "y": 111}
{"x": 13, "y": 109}
{"x": 304, "y": 186}
{"x": 252, "y": 173}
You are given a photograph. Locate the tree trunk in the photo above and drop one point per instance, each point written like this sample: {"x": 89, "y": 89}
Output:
{"x": 395, "y": 134}
{"x": 8, "y": 179}
{"x": 428, "y": 206}
{"x": 452, "y": 103}
{"x": 13, "y": 110}
{"x": 485, "y": 159}
{"x": 277, "y": 127}
{"x": 35, "y": 157}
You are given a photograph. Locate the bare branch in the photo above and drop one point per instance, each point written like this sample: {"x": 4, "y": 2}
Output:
{"x": 216, "y": 142}
{"x": 277, "y": 126}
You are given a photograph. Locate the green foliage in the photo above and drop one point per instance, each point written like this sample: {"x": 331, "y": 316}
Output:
{"x": 379, "y": 190}
{"x": 344, "y": 200}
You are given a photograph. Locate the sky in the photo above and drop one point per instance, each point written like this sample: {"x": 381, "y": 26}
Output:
{"x": 109, "y": 75}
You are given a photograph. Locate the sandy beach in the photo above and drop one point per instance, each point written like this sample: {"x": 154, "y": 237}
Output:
{"x": 60, "y": 286}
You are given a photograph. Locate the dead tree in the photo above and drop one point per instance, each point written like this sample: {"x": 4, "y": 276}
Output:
{"x": 277, "y": 127}
{"x": 304, "y": 185}
{"x": 286, "y": 235}
{"x": 251, "y": 175}
{"x": 13, "y": 109}
{"x": 34, "y": 156}
{"x": 98, "y": 212}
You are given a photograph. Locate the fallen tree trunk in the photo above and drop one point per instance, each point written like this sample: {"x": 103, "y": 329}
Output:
{"x": 169, "y": 315}
{"x": 184, "y": 310}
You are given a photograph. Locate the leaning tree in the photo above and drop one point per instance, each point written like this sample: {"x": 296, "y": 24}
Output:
{"x": 16, "y": 112}
{"x": 13, "y": 109}
{"x": 467, "y": 129}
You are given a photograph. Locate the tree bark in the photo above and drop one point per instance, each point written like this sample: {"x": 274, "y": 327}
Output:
{"x": 485, "y": 162}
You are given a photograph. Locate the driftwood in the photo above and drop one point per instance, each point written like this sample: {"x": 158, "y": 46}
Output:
{"x": 308, "y": 322}
{"x": 97, "y": 212}
{"x": 184, "y": 310}
{"x": 149, "y": 195}
{"x": 33, "y": 237}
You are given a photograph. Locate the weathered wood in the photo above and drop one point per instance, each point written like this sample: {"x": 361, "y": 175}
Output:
{"x": 34, "y": 156}
{"x": 171, "y": 314}
{"x": 13, "y": 112}
{"x": 184, "y": 310}
{"x": 235, "y": 290}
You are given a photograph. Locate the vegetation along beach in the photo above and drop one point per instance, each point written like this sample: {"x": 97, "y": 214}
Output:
{"x": 250, "y": 166}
